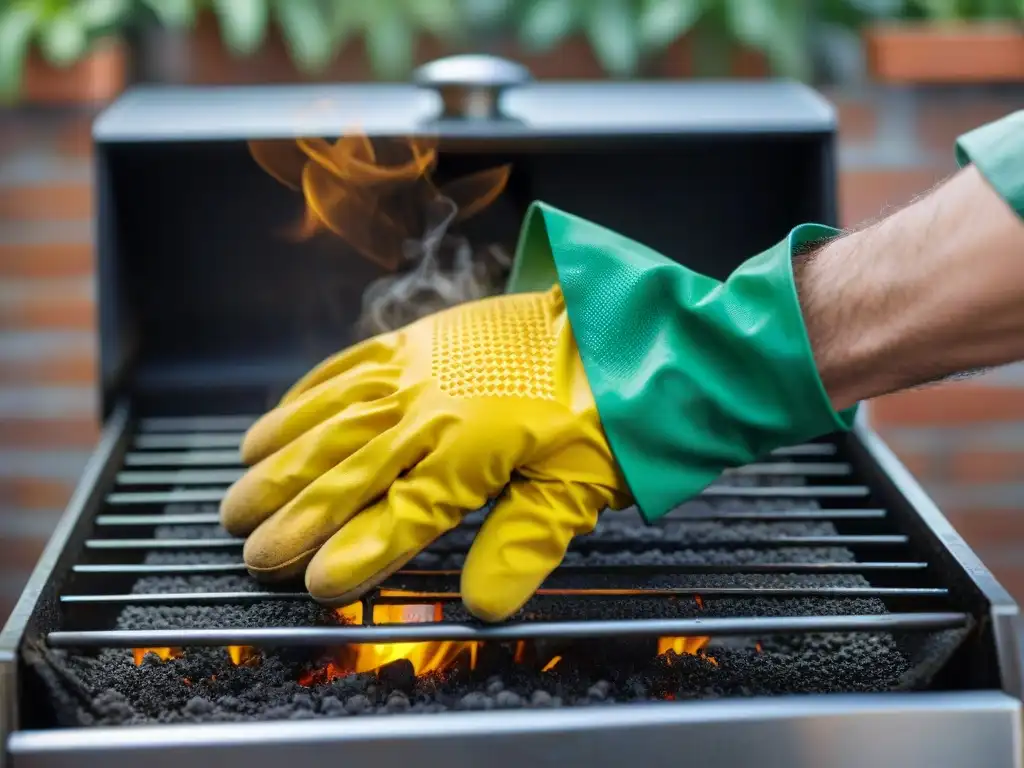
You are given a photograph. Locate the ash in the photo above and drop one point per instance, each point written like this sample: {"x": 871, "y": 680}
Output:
{"x": 203, "y": 685}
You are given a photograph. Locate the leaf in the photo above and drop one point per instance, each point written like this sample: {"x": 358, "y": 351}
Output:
{"x": 17, "y": 23}
{"x": 306, "y": 32}
{"x": 547, "y": 22}
{"x": 612, "y": 33}
{"x": 778, "y": 28}
{"x": 63, "y": 40}
{"x": 243, "y": 23}
{"x": 175, "y": 14}
{"x": 389, "y": 43}
{"x": 662, "y": 22}
{"x": 440, "y": 18}
{"x": 102, "y": 14}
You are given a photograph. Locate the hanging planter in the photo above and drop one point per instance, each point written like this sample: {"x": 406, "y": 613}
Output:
{"x": 954, "y": 52}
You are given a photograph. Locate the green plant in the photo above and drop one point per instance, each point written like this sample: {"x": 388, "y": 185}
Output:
{"x": 628, "y": 34}
{"x": 63, "y": 31}
{"x": 390, "y": 28}
{"x": 860, "y": 11}
{"x": 315, "y": 30}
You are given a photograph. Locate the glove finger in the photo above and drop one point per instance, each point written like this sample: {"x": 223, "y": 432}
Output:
{"x": 419, "y": 507}
{"x": 282, "y": 545}
{"x": 379, "y": 349}
{"x": 278, "y": 478}
{"x": 523, "y": 539}
{"x": 284, "y": 424}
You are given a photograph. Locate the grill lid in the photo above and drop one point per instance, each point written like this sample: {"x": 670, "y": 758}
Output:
{"x": 203, "y": 289}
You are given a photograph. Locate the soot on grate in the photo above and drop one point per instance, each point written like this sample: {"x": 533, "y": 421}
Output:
{"x": 207, "y": 684}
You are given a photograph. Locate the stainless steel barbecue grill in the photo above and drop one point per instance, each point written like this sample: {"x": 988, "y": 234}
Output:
{"x": 811, "y": 609}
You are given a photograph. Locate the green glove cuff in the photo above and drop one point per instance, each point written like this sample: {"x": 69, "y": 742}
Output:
{"x": 690, "y": 375}
{"x": 997, "y": 150}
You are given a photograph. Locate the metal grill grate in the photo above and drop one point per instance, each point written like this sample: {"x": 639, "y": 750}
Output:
{"x": 192, "y": 461}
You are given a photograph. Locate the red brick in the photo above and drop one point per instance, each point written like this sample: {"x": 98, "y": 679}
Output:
{"x": 866, "y": 195}
{"x": 74, "y": 137}
{"x": 858, "y": 119}
{"x": 19, "y": 555}
{"x": 939, "y": 125}
{"x": 48, "y": 260}
{"x": 918, "y": 464}
{"x": 988, "y": 467}
{"x": 81, "y": 432}
{"x": 1011, "y": 577}
{"x": 64, "y": 308}
{"x": 986, "y": 529}
{"x": 60, "y": 202}
{"x": 947, "y": 404}
{"x": 68, "y": 368}
{"x": 34, "y": 493}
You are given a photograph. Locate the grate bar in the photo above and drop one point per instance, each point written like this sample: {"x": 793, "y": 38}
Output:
{"x": 787, "y": 491}
{"x": 224, "y": 543}
{"x": 594, "y": 545}
{"x": 197, "y": 518}
{"x": 193, "y": 440}
{"x": 407, "y": 597}
{"x": 611, "y": 569}
{"x": 682, "y": 513}
{"x": 145, "y": 569}
{"x": 196, "y": 423}
{"x": 438, "y": 631}
{"x": 712, "y": 491}
{"x": 807, "y": 449}
{"x": 184, "y": 459}
{"x": 181, "y": 477}
{"x": 130, "y": 498}
{"x": 822, "y": 469}
{"x": 212, "y": 518}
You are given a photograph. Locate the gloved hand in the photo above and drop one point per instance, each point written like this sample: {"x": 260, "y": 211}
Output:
{"x": 384, "y": 447}
{"x": 610, "y": 374}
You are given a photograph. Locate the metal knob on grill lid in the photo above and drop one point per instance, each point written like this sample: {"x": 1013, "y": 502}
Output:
{"x": 470, "y": 86}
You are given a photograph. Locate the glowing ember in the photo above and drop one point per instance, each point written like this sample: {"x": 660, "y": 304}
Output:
{"x": 163, "y": 653}
{"x": 681, "y": 645}
{"x": 372, "y": 194}
{"x": 551, "y": 664}
{"x": 425, "y": 657}
{"x": 757, "y": 647}
{"x": 243, "y": 655}
{"x": 700, "y": 601}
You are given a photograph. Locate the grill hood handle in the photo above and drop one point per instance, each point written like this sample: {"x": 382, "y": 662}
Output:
{"x": 470, "y": 85}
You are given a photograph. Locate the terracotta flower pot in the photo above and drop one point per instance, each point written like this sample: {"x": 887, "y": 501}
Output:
{"x": 98, "y": 77}
{"x": 953, "y": 53}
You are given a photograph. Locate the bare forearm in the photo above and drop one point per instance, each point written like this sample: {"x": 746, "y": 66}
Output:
{"x": 933, "y": 290}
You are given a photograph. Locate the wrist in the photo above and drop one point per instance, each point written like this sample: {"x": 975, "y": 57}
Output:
{"x": 930, "y": 291}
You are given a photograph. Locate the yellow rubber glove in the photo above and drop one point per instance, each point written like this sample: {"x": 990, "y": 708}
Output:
{"x": 384, "y": 447}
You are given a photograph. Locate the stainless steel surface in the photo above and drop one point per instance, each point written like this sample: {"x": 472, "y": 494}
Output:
{"x": 76, "y": 516}
{"x": 870, "y": 731}
{"x": 471, "y": 85}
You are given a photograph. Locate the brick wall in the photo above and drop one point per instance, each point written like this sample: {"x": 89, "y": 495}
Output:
{"x": 964, "y": 440}
{"x": 47, "y": 339}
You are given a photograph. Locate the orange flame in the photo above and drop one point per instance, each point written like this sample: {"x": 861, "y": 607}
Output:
{"x": 163, "y": 653}
{"x": 425, "y": 657}
{"x": 371, "y": 194}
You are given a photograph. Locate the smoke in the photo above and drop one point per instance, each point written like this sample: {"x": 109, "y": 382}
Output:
{"x": 447, "y": 271}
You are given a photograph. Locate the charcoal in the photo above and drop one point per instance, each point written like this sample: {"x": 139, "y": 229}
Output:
{"x": 190, "y": 532}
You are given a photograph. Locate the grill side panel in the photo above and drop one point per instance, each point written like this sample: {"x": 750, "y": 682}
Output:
{"x": 969, "y": 581}
{"x": 37, "y": 609}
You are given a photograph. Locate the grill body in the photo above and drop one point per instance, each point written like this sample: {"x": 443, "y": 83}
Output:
{"x": 203, "y": 313}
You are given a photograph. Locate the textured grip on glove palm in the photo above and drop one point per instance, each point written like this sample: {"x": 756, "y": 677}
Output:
{"x": 385, "y": 447}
